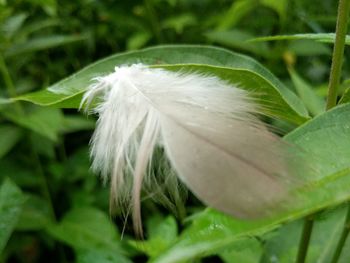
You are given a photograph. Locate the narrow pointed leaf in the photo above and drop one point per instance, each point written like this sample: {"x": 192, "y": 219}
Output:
{"x": 314, "y": 103}
{"x": 321, "y": 37}
{"x": 42, "y": 43}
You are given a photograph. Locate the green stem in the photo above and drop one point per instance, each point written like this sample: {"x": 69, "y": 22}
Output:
{"x": 344, "y": 235}
{"x": 305, "y": 239}
{"x": 334, "y": 80}
{"x": 338, "y": 52}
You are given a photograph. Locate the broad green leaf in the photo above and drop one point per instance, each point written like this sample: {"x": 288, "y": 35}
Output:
{"x": 87, "y": 228}
{"x": 210, "y": 232}
{"x": 248, "y": 251}
{"x": 161, "y": 233}
{"x": 235, "y": 68}
{"x": 321, "y": 37}
{"x": 164, "y": 228}
{"x": 314, "y": 103}
{"x": 346, "y": 96}
{"x": 11, "y": 200}
{"x": 44, "y": 121}
{"x": 326, "y": 141}
{"x": 236, "y": 38}
{"x": 9, "y": 136}
{"x": 41, "y": 43}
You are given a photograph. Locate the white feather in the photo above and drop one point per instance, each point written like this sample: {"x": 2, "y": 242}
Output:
{"x": 207, "y": 128}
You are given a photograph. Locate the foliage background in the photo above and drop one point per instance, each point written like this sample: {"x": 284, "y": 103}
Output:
{"x": 51, "y": 205}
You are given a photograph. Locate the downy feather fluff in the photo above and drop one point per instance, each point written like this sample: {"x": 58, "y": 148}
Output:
{"x": 207, "y": 128}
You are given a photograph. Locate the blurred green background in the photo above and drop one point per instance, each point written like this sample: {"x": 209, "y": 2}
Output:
{"x": 44, "y": 162}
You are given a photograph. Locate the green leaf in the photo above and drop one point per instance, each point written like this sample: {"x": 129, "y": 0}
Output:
{"x": 280, "y": 6}
{"x": 326, "y": 137}
{"x": 241, "y": 8}
{"x": 33, "y": 27}
{"x": 4, "y": 101}
{"x": 44, "y": 121}
{"x": 164, "y": 228}
{"x": 180, "y": 22}
{"x": 9, "y": 136}
{"x": 74, "y": 123}
{"x": 161, "y": 232}
{"x": 237, "y": 11}
{"x": 13, "y": 24}
{"x": 42, "y": 145}
{"x": 321, "y": 37}
{"x": 314, "y": 103}
{"x": 233, "y": 67}
{"x": 49, "y": 6}
{"x": 100, "y": 256}
{"x": 87, "y": 228}
{"x": 236, "y": 38}
{"x": 210, "y": 232}
{"x": 248, "y": 251}
{"x": 35, "y": 214}
{"x": 41, "y": 43}
{"x": 325, "y": 235}
{"x": 306, "y": 47}
{"x": 138, "y": 40}
{"x": 11, "y": 200}
{"x": 326, "y": 140}
{"x": 346, "y": 97}
{"x": 20, "y": 174}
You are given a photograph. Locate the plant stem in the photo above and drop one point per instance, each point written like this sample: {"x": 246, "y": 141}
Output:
{"x": 344, "y": 235}
{"x": 338, "y": 52}
{"x": 334, "y": 80}
{"x": 305, "y": 239}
